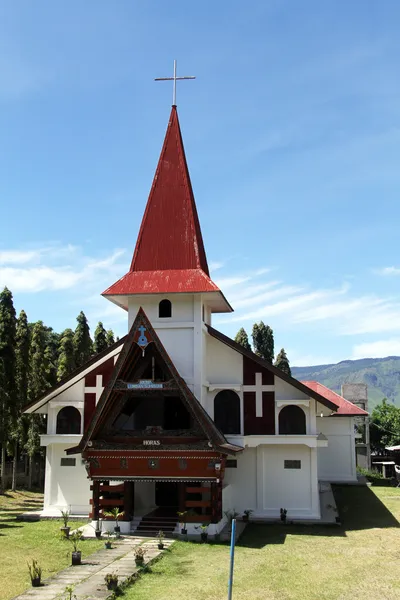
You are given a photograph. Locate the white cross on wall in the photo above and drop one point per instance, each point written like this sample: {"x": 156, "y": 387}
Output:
{"x": 258, "y": 388}
{"x": 98, "y": 389}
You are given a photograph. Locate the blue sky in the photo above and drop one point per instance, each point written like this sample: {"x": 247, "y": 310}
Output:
{"x": 292, "y": 134}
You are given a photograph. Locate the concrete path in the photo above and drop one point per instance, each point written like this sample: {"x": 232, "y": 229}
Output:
{"x": 88, "y": 578}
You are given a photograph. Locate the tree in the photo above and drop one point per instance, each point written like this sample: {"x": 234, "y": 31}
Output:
{"x": 100, "y": 339}
{"x": 8, "y": 400}
{"x": 37, "y": 386}
{"x": 110, "y": 338}
{"x": 263, "y": 341}
{"x": 82, "y": 341}
{"x": 22, "y": 345}
{"x": 243, "y": 339}
{"x": 384, "y": 426}
{"x": 282, "y": 362}
{"x": 66, "y": 359}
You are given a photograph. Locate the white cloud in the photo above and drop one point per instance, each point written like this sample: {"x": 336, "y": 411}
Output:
{"x": 378, "y": 349}
{"x": 215, "y": 265}
{"x": 388, "y": 271}
{"x": 55, "y": 268}
{"x": 339, "y": 310}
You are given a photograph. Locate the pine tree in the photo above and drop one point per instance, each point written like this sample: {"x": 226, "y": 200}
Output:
{"x": 82, "y": 341}
{"x": 100, "y": 339}
{"x": 243, "y": 339}
{"x": 22, "y": 344}
{"x": 37, "y": 386}
{"x": 8, "y": 399}
{"x": 66, "y": 358}
{"x": 110, "y": 338}
{"x": 263, "y": 341}
{"x": 282, "y": 362}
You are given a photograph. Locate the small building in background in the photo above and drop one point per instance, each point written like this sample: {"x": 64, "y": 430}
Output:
{"x": 357, "y": 393}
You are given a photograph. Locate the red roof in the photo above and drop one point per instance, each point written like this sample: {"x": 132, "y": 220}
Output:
{"x": 169, "y": 254}
{"x": 345, "y": 407}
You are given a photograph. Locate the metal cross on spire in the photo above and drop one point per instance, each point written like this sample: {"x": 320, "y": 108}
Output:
{"x": 174, "y": 79}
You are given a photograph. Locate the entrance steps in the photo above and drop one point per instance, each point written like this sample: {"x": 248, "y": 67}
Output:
{"x": 149, "y": 525}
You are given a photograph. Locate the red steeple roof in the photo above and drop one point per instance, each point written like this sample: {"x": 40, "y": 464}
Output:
{"x": 169, "y": 256}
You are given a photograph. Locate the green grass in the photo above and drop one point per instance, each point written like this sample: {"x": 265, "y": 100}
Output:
{"x": 359, "y": 559}
{"x": 22, "y": 541}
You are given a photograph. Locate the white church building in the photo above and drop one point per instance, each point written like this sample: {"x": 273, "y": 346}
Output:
{"x": 176, "y": 416}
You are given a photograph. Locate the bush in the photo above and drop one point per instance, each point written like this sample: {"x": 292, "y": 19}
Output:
{"x": 374, "y": 477}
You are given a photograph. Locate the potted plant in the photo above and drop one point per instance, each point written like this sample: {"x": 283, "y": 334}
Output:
{"x": 97, "y": 531}
{"x": 182, "y": 520}
{"x": 111, "y": 580}
{"x": 283, "y": 513}
{"x": 75, "y": 538}
{"x": 230, "y": 515}
{"x": 139, "y": 556}
{"x": 203, "y": 528}
{"x": 246, "y": 514}
{"x": 35, "y": 572}
{"x": 65, "y": 517}
{"x": 160, "y": 537}
{"x": 107, "y": 543}
{"x": 116, "y": 515}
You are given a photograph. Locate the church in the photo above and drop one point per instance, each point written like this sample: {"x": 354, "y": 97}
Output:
{"x": 176, "y": 416}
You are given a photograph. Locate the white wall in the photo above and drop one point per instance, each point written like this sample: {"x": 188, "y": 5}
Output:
{"x": 242, "y": 481}
{"x": 224, "y": 365}
{"x": 72, "y": 396}
{"x": 182, "y": 307}
{"x": 337, "y": 462}
{"x": 65, "y": 486}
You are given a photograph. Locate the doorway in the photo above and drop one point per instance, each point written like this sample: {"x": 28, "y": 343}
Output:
{"x": 167, "y": 494}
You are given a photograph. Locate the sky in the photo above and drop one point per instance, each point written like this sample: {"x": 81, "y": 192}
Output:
{"x": 292, "y": 136}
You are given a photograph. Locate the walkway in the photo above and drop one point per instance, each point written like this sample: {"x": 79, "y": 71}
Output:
{"x": 88, "y": 578}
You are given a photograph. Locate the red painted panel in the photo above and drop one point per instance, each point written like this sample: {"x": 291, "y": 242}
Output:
{"x": 89, "y": 406}
{"x": 264, "y": 425}
{"x": 250, "y": 368}
{"x": 128, "y": 464}
{"x": 105, "y": 369}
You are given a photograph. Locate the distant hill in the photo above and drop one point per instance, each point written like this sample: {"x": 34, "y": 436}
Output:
{"x": 382, "y": 375}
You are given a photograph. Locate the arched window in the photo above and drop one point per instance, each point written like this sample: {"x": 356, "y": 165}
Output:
{"x": 292, "y": 420}
{"x": 68, "y": 420}
{"x": 164, "y": 309}
{"x": 227, "y": 412}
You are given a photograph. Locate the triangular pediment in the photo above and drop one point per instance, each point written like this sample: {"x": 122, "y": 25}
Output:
{"x": 147, "y": 404}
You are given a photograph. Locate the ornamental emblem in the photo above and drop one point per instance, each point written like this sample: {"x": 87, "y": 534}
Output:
{"x": 142, "y": 341}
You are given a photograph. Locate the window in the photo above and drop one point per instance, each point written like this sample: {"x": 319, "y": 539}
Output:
{"x": 164, "y": 309}
{"x": 292, "y": 464}
{"x": 227, "y": 412}
{"x": 292, "y": 420}
{"x": 231, "y": 463}
{"x": 68, "y": 420}
{"x": 68, "y": 462}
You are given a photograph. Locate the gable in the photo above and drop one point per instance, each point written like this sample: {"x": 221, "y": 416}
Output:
{"x": 143, "y": 392}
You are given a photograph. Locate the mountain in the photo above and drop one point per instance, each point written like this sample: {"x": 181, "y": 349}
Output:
{"x": 382, "y": 375}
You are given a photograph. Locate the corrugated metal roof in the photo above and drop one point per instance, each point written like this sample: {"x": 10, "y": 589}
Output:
{"x": 169, "y": 254}
{"x": 345, "y": 407}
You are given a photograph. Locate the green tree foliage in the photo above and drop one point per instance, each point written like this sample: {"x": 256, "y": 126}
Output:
{"x": 263, "y": 341}
{"x": 243, "y": 339}
{"x": 38, "y": 369}
{"x": 110, "y": 338}
{"x": 100, "y": 339}
{"x": 66, "y": 359}
{"x": 20, "y": 425}
{"x": 82, "y": 341}
{"x": 8, "y": 393}
{"x": 385, "y": 426}
{"x": 282, "y": 362}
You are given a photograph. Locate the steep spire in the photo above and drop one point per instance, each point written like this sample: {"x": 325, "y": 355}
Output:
{"x": 169, "y": 255}
{"x": 170, "y": 235}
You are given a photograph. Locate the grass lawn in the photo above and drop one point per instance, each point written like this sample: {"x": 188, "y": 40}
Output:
{"x": 358, "y": 560}
{"x": 22, "y": 541}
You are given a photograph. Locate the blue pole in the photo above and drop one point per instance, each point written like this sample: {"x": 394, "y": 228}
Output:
{"x": 233, "y": 536}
